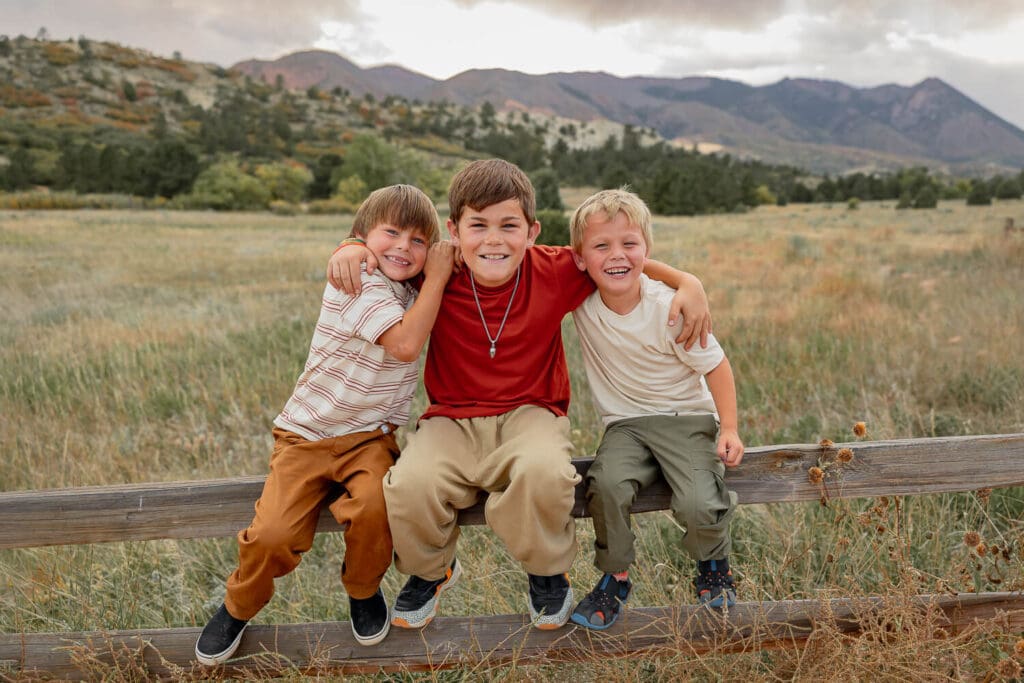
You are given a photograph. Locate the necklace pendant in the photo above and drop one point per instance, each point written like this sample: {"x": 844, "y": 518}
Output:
{"x": 493, "y": 350}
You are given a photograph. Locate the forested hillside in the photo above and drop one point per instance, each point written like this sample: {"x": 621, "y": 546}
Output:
{"x": 96, "y": 124}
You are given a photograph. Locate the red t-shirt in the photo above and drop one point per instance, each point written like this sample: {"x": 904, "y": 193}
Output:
{"x": 528, "y": 368}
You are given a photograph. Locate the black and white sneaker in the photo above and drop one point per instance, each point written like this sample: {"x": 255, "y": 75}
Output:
{"x": 220, "y": 638}
{"x": 416, "y": 604}
{"x": 550, "y": 601}
{"x": 370, "y": 618}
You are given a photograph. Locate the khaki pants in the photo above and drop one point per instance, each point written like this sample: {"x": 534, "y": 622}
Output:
{"x": 632, "y": 454}
{"x": 302, "y": 474}
{"x": 521, "y": 458}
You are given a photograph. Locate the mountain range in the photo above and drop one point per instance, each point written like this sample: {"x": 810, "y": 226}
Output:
{"x": 821, "y": 125}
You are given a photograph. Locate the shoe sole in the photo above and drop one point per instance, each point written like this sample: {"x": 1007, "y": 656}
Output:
{"x": 402, "y": 622}
{"x": 224, "y": 655}
{"x": 580, "y": 620}
{"x": 551, "y": 625}
{"x": 376, "y": 637}
{"x": 719, "y": 602}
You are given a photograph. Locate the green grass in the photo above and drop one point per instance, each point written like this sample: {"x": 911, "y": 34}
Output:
{"x": 155, "y": 346}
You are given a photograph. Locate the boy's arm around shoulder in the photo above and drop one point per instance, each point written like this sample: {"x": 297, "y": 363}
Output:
{"x": 405, "y": 339}
{"x": 723, "y": 390}
{"x": 690, "y": 301}
{"x": 344, "y": 267}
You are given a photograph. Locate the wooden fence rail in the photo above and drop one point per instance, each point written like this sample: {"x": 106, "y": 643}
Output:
{"x": 770, "y": 474}
{"x": 215, "y": 508}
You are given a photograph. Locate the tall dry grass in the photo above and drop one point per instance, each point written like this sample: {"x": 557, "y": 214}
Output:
{"x": 159, "y": 346}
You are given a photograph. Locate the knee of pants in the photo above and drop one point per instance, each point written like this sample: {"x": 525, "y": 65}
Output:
{"x": 604, "y": 489}
{"x": 544, "y": 478}
{"x": 371, "y": 512}
{"x": 276, "y": 539}
{"x": 694, "y": 512}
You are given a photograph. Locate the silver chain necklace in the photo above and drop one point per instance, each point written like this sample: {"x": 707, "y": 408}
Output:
{"x": 508, "y": 308}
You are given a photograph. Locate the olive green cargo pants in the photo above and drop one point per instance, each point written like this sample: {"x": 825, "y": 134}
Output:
{"x": 632, "y": 454}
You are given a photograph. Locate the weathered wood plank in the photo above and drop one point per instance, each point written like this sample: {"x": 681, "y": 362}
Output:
{"x": 481, "y": 642}
{"x": 217, "y": 508}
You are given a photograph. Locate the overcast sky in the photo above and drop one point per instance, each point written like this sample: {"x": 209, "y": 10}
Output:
{"x": 976, "y": 46}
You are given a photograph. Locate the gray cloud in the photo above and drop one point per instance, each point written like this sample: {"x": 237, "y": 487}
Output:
{"x": 950, "y": 17}
{"x": 204, "y": 30}
{"x": 722, "y": 14}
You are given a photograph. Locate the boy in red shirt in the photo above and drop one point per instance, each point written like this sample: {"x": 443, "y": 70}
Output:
{"x": 498, "y": 386}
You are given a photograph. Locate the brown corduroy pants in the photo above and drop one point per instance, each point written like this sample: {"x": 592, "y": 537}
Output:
{"x": 302, "y": 474}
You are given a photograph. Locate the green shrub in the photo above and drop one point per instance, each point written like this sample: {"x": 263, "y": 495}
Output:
{"x": 554, "y": 227}
{"x": 926, "y": 198}
{"x": 226, "y": 187}
{"x": 980, "y": 194}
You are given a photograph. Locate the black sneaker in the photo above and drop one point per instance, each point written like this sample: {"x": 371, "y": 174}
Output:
{"x": 220, "y": 638}
{"x": 600, "y": 608}
{"x": 550, "y": 600}
{"x": 416, "y": 605}
{"x": 714, "y": 583}
{"x": 370, "y": 622}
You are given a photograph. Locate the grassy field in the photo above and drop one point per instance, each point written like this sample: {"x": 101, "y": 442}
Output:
{"x": 150, "y": 346}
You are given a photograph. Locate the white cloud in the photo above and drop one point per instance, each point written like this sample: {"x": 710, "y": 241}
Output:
{"x": 972, "y": 45}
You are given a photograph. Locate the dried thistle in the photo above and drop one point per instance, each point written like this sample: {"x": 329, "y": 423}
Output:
{"x": 972, "y": 539}
{"x": 826, "y": 443}
{"x": 983, "y": 495}
{"x": 981, "y": 549}
{"x": 1018, "y": 649}
{"x": 844, "y": 455}
{"x": 860, "y": 429}
{"x": 815, "y": 475}
{"x": 1008, "y": 669}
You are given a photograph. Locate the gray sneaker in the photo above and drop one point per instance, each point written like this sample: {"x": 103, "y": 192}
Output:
{"x": 416, "y": 604}
{"x": 550, "y": 601}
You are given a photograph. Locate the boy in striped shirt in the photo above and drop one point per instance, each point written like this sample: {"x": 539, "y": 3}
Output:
{"x": 338, "y": 426}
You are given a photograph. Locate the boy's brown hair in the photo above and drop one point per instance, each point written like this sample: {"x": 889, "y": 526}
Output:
{"x": 489, "y": 181}
{"x": 610, "y": 203}
{"x": 403, "y": 206}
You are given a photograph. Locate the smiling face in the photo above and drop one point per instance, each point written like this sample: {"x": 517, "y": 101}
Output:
{"x": 612, "y": 253}
{"x": 493, "y": 240}
{"x": 400, "y": 252}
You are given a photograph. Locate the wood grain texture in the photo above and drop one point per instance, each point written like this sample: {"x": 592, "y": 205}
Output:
{"x": 770, "y": 474}
{"x": 476, "y": 643}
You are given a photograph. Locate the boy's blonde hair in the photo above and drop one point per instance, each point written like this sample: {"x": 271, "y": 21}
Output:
{"x": 403, "y": 206}
{"x": 489, "y": 181}
{"x": 610, "y": 203}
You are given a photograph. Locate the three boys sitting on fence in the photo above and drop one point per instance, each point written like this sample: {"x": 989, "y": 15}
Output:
{"x": 498, "y": 386}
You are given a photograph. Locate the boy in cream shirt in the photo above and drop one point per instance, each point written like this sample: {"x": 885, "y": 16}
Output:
{"x": 660, "y": 416}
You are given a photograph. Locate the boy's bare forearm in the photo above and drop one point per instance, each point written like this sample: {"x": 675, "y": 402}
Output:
{"x": 723, "y": 390}
{"x": 662, "y": 272}
{"x": 690, "y": 301}
{"x": 404, "y": 340}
